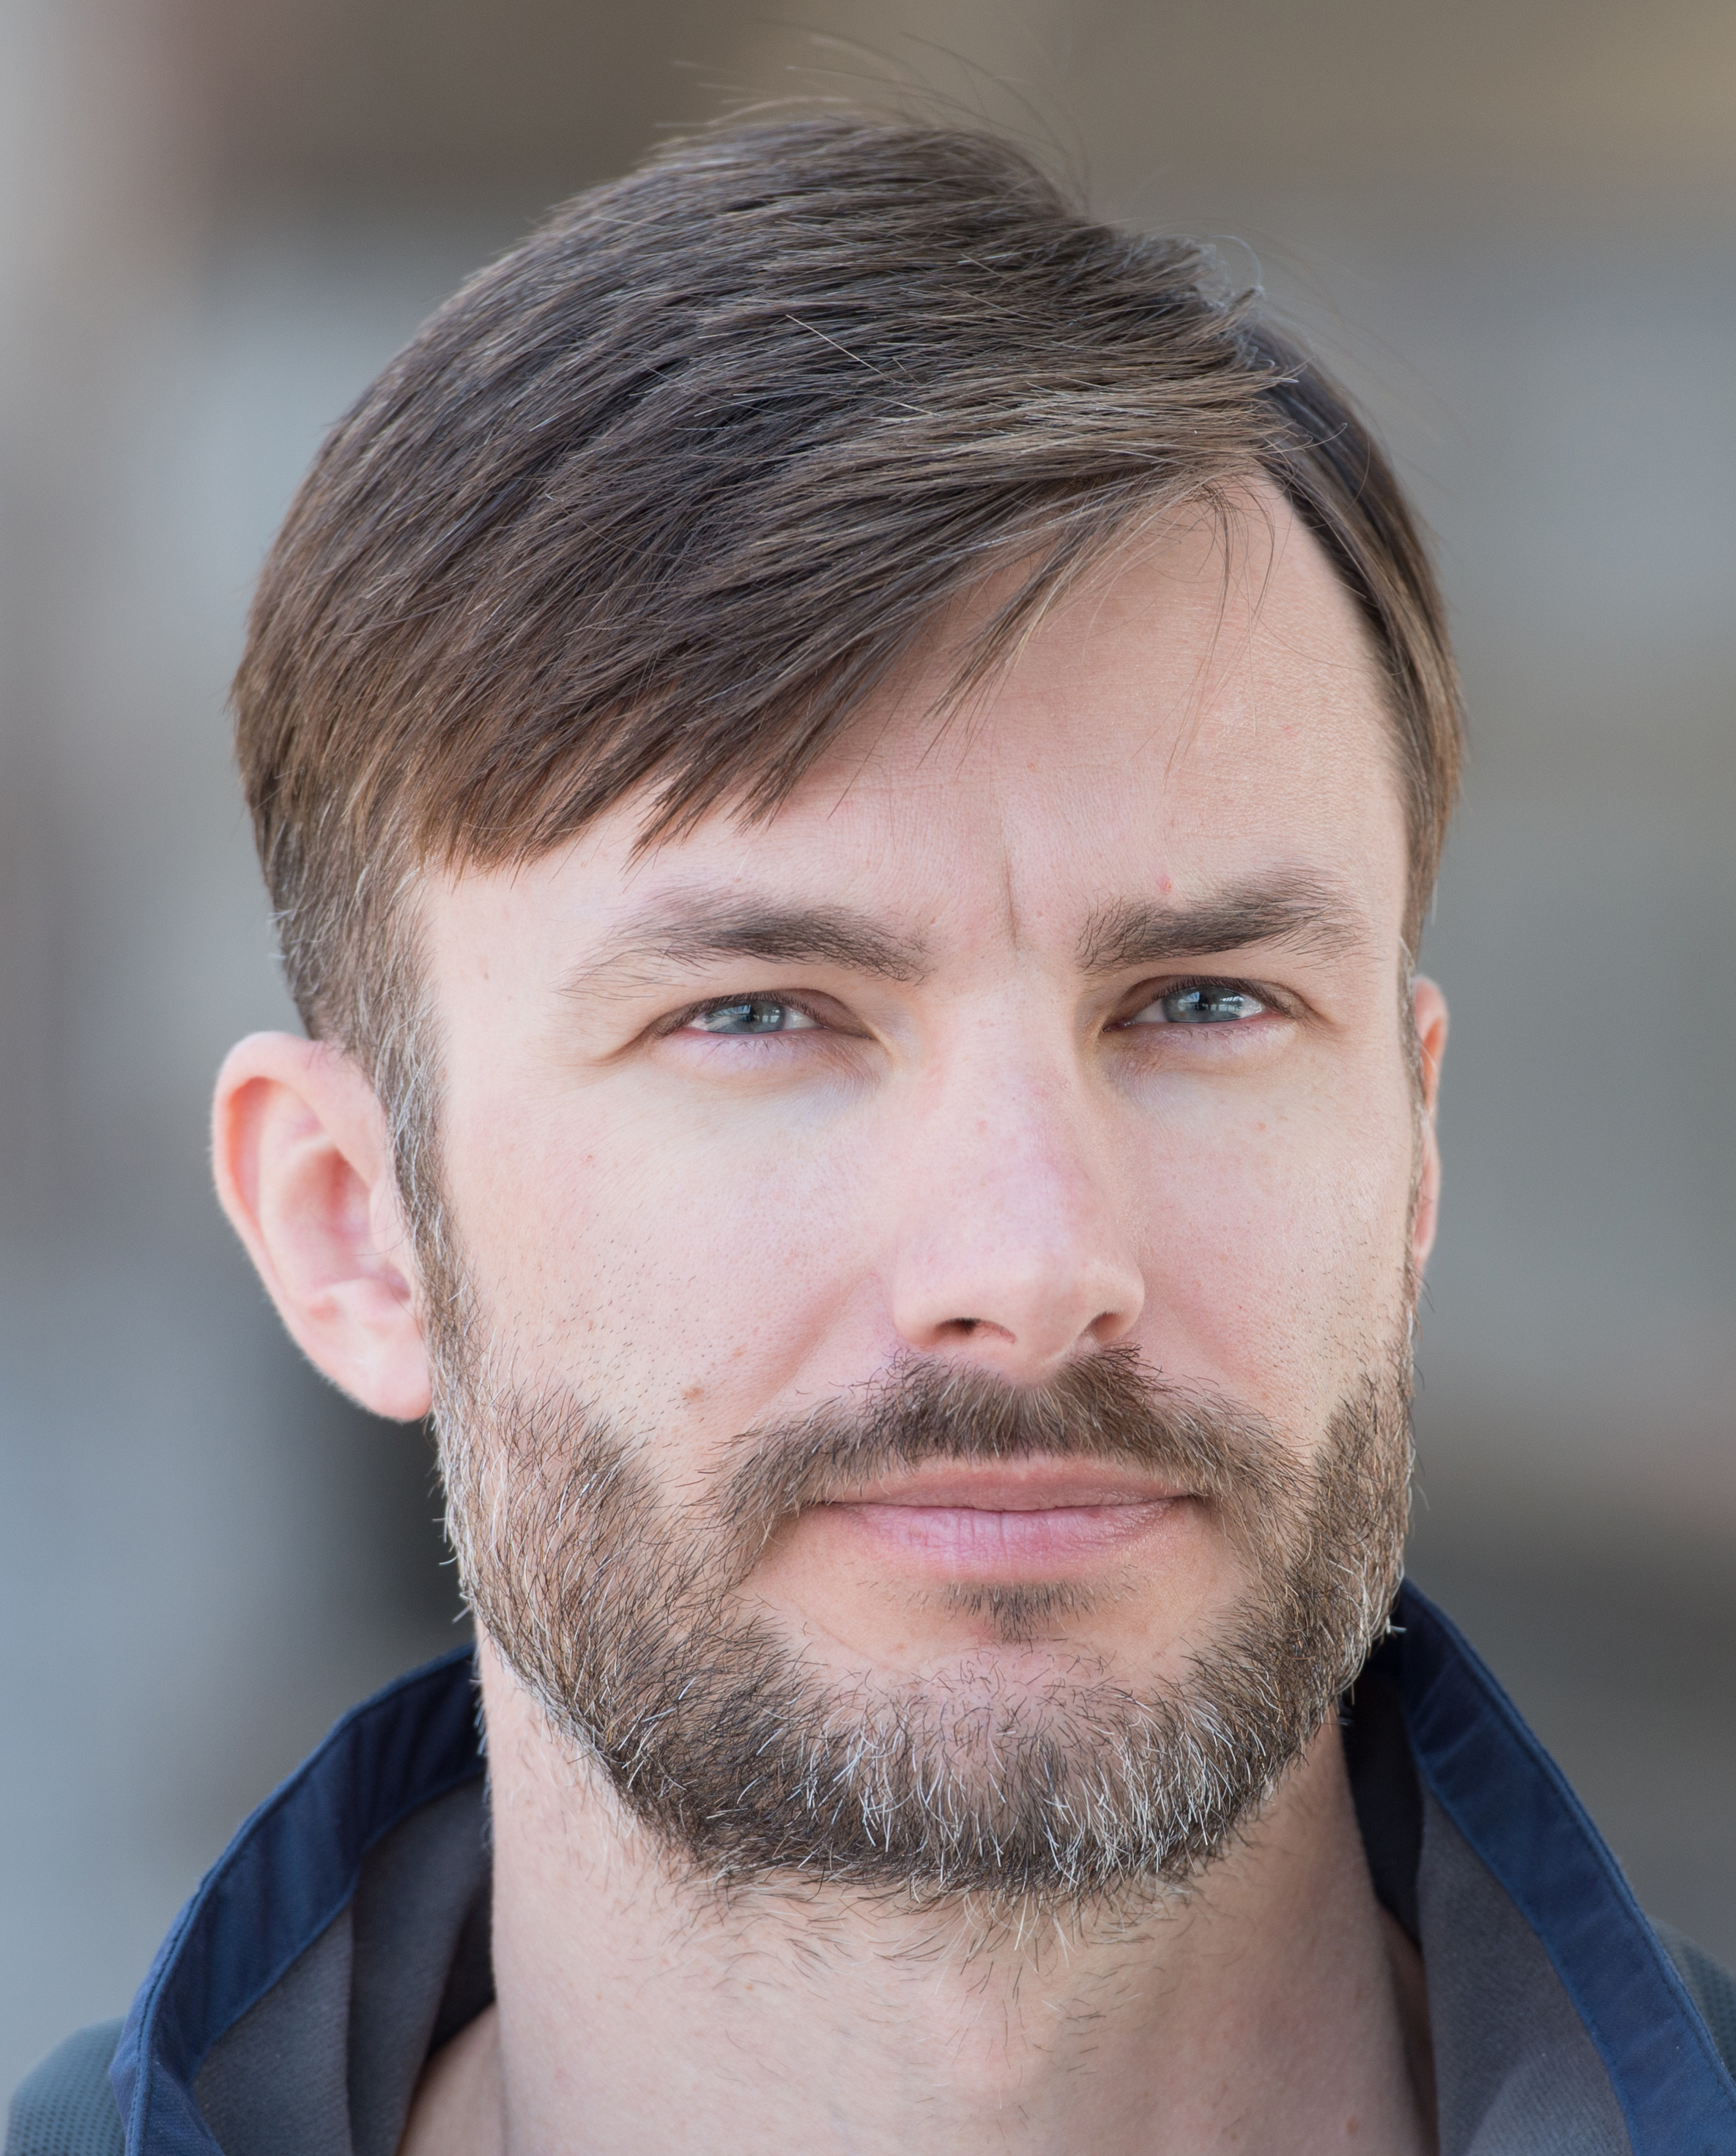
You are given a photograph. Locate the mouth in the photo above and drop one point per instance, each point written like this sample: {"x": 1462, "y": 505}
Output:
{"x": 1008, "y": 1521}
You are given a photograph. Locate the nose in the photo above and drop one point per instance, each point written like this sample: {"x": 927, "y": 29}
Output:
{"x": 1013, "y": 1250}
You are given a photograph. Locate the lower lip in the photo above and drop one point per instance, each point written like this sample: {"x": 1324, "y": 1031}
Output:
{"x": 972, "y": 1542}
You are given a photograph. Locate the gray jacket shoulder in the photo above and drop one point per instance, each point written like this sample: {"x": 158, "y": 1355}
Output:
{"x": 66, "y": 2108}
{"x": 1711, "y": 1987}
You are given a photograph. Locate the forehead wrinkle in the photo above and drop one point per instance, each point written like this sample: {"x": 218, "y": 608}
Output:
{"x": 1300, "y": 913}
{"x": 693, "y": 929}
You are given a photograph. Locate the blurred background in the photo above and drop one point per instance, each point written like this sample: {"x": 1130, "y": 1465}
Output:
{"x": 1511, "y": 225}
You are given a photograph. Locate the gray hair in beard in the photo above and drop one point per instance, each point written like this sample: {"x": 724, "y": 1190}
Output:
{"x": 622, "y": 1613}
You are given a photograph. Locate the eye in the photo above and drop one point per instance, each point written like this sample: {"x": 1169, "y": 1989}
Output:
{"x": 1201, "y": 1002}
{"x": 752, "y": 1014}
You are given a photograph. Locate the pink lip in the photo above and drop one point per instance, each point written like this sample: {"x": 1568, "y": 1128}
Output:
{"x": 1002, "y": 1521}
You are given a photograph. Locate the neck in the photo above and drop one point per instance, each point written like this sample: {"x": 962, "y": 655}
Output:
{"x": 1273, "y": 2005}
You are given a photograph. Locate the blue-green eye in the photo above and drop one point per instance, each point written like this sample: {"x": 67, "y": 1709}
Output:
{"x": 753, "y": 1015}
{"x": 1201, "y": 1002}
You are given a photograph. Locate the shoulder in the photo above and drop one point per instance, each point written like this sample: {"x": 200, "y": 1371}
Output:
{"x": 66, "y": 2108}
{"x": 1711, "y": 1987}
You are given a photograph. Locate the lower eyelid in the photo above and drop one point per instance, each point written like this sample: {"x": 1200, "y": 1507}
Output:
{"x": 1201, "y": 1025}
{"x": 759, "y": 1034}
{"x": 691, "y": 1029}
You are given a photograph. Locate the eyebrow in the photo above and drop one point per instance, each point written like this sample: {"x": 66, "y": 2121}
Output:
{"x": 676, "y": 935}
{"x": 1299, "y": 913}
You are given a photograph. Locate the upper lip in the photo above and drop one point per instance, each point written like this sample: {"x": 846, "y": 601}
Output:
{"x": 1016, "y": 1486}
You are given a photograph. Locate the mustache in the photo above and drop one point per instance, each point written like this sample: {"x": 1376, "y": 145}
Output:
{"x": 1110, "y": 1407}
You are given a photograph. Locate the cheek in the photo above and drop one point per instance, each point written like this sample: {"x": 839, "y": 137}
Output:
{"x": 668, "y": 1263}
{"x": 1274, "y": 1250}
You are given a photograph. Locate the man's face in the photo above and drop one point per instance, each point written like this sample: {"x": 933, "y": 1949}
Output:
{"x": 800, "y": 1172}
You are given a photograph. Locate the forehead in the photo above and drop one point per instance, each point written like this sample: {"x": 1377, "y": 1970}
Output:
{"x": 1204, "y": 710}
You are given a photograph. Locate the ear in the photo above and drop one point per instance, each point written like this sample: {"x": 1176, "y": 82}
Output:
{"x": 1428, "y": 1010}
{"x": 303, "y": 1170}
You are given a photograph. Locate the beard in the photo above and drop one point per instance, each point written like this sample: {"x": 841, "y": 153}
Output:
{"x": 630, "y": 1618}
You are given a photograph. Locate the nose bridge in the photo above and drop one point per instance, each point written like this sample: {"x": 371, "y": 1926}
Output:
{"x": 1013, "y": 1245}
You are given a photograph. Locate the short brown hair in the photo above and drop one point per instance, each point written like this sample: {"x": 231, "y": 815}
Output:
{"x": 660, "y": 497}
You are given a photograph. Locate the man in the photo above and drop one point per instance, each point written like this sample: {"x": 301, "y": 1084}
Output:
{"x": 852, "y": 764}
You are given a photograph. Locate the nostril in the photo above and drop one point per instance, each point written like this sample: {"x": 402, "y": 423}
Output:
{"x": 969, "y": 1328}
{"x": 957, "y": 1328}
{"x": 1113, "y": 1325}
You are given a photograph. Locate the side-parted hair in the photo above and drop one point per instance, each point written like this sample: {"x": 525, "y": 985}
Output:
{"x": 658, "y": 499}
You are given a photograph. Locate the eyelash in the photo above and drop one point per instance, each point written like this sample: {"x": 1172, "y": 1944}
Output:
{"x": 683, "y": 1018}
{"x": 1272, "y": 1005}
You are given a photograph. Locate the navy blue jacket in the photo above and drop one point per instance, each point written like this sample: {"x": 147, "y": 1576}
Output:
{"x": 343, "y": 1937}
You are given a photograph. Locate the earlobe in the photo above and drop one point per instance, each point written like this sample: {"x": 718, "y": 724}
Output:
{"x": 1429, "y": 1012}
{"x": 303, "y": 1165}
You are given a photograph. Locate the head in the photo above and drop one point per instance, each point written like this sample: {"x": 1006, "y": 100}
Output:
{"x": 850, "y": 763}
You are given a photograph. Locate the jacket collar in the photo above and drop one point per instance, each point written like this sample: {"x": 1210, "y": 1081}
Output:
{"x": 294, "y": 1868}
